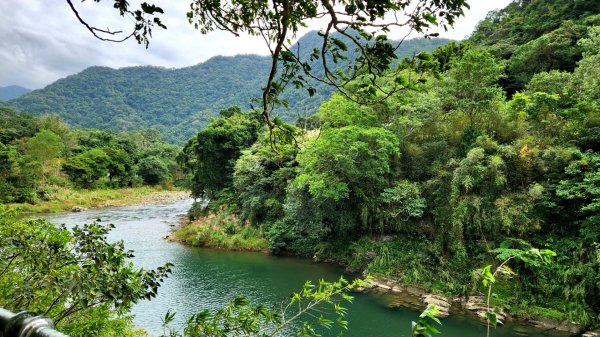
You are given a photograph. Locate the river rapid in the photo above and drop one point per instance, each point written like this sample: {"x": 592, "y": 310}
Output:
{"x": 206, "y": 278}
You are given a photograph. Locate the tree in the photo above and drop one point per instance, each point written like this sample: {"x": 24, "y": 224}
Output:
{"x": 120, "y": 166}
{"x": 260, "y": 178}
{"x": 472, "y": 85}
{"x": 14, "y": 125}
{"x": 557, "y": 50}
{"x": 43, "y": 148}
{"x": 586, "y": 78}
{"x": 152, "y": 170}
{"x": 364, "y": 22}
{"x": 76, "y": 277}
{"x": 345, "y": 170}
{"x": 87, "y": 167}
{"x": 348, "y": 161}
{"x": 210, "y": 156}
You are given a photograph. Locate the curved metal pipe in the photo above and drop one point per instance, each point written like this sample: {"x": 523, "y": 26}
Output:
{"x": 26, "y": 324}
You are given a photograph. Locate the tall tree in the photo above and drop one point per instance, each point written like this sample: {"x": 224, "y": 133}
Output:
{"x": 43, "y": 148}
{"x": 472, "y": 85}
{"x": 210, "y": 156}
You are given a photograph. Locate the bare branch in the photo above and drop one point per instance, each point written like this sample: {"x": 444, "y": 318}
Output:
{"x": 95, "y": 30}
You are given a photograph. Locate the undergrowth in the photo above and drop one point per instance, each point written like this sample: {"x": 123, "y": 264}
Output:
{"x": 222, "y": 230}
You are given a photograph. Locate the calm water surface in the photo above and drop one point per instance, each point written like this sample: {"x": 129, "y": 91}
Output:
{"x": 204, "y": 278}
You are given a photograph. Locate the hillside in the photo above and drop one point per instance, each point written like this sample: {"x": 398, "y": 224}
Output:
{"x": 535, "y": 36}
{"x": 177, "y": 102}
{"x": 12, "y": 91}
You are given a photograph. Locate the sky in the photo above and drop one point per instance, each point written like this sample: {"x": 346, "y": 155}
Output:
{"x": 42, "y": 41}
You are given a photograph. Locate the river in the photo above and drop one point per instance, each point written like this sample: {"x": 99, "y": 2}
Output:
{"x": 206, "y": 278}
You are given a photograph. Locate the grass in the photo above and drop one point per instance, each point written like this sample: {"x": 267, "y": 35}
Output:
{"x": 63, "y": 199}
{"x": 222, "y": 230}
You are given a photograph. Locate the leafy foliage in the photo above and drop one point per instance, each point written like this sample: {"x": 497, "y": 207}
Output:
{"x": 153, "y": 170}
{"x": 76, "y": 277}
{"x": 419, "y": 185}
{"x": 536, "y": 36}
{"x": 210, "y": 156}
{"x": 522, "y": 252}
{"x": 39, "y": 154}
{"x": 324, "y": 301}
{"x": 424, "y": 327}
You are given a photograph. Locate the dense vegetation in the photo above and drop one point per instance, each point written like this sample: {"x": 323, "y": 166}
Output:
{"x": 84, "y": 283}
{"x": 536, "y": 36}
{"x": 177, "y": 102}
{"x": 492, "y": 143}
{"x": 422, "y": 186}
{"x": 40, "y": 156}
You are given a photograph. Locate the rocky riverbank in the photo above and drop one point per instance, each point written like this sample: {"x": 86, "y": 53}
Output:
{"x": 208, "y": 231}
{"x": 414, "y": 297}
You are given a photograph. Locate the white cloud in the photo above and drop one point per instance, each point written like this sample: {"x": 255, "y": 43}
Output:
{"x": 42, "y": 40}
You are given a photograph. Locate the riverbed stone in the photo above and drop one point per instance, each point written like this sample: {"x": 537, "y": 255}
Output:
{"x": 397, "y": 289}
{"x": 78, "y": 209}
{"x": 560, "y": 326}
{"x": 477, "y": 305}
{"x": 414, "y": 291}
{"x": 381, "y": 284}
{"x": 441, "y": 303}
{"x": 405, "y": 301}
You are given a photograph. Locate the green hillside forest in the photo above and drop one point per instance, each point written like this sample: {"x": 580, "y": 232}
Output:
{"x": 496, "y": 147}
{"x": 176, "y": 102}
{"x": 482, "y": 170}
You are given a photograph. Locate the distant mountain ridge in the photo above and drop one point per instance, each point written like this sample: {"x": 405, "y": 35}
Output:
{"x": 177, "y": 102}
{"x": 12, "y": 91}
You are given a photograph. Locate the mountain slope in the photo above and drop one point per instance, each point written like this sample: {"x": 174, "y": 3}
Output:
{"x": 536, "y": 35}
{"x": 177, "y": 102}
{"x": 12, "y": 91}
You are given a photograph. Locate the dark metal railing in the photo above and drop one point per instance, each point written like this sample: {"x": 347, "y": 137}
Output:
{"x": 26, "y": 324}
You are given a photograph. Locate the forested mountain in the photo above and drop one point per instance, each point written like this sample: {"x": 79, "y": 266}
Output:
{"x": 12, "y": 91}
{"x": 177, "y": 102}
{"x": 536, "y": 35}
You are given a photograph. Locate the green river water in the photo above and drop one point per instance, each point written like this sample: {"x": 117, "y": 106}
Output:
{"x": 205, "y": 278}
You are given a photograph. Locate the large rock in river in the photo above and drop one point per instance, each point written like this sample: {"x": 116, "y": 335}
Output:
{"x": 441, "y": 303}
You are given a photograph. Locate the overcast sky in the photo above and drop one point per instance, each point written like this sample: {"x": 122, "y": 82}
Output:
{"x": 42, "y": 41}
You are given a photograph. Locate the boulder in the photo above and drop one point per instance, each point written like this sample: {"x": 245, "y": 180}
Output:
{"x": 560, "y": 326}
{"x": 478, "y": 306}
{"x": 78, "y": 209}
{"x": 440, "y": 302}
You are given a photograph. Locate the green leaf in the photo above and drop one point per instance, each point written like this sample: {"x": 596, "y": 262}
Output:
{"x": 491, "y": 317}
